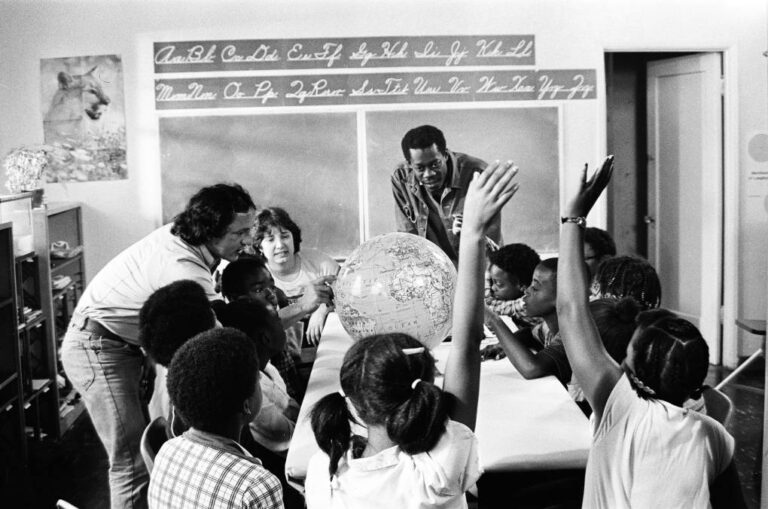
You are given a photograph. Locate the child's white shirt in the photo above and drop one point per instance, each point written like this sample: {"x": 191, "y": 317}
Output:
{"x": 271, "y": 427}
{"x": 394, "y": 479}
{"x": 650, "y": 453}
{"x": 160, "y": 403}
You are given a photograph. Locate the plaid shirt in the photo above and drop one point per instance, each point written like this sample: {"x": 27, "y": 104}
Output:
{"x": 512, "y": 308}
{"x": 200, "y": 469}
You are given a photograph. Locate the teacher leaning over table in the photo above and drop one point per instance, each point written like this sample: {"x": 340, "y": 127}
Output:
{"x": 101, "y": 354}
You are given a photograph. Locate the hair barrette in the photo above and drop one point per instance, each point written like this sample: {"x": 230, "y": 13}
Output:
{"x": 415, "y": 383}
{"x": 411, "y": 351}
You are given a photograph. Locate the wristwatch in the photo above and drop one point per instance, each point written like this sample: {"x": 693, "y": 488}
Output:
{"x": 579, "y": 221}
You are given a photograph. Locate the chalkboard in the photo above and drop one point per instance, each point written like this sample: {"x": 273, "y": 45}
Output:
{"x": 528, "y": 136}
{"x": 305, "y": 163}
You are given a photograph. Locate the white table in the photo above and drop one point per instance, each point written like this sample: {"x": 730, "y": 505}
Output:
{"x": 521, "y": 424}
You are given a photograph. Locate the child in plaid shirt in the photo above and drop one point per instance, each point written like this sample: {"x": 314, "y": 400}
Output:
{"x": 509, "y": 274}
{"x": 213, "y": 382}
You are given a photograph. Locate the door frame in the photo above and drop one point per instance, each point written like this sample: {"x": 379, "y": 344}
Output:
{"x": 730, "y": 179}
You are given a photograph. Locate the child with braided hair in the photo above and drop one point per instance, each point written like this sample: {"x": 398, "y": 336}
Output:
{"x": 647, "y": 451}
{"x": 419, "y": 449}
{"x": 598, "y": 246}
{"x": 627, "y": 276}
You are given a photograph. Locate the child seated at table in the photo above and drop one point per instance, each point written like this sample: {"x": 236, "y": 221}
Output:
{"x": 627, "y": 276}
{"x": 598, "y": 247}
{"x": 249, "y": 277}
{"x": 268, "y": 435}
{"x": 615, "y": 322}
{"x": 647, "y": 450}
{"x": 420, "y": 450}
{"x": 168, "y": 318}
{"x": 213, "y": 381}
{"x": 510, "y": 270}
{"x": 536, "y": 351}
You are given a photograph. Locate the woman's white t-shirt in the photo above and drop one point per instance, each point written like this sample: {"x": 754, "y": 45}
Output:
{"x": 650, "y": 453}
{"x": 394, "y": 479}
{"x": 312, "y": 265}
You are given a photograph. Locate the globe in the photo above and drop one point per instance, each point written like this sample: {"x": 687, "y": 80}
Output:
{"x": 397, "y": 282}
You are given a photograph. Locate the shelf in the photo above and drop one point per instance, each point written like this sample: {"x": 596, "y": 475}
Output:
{"x": 58, "y": 264}
{"x": 32, "y": 323}
{"x": 70, "y": 408}
{"x": 39, "y": 386}
{"x": 11, "y": 378}
{"x": 7, "y": 406}
{"x": 58, "y": 294}
{"x": 59, "y": 207}
{"x": 25, "y": 257}
{"x": 66, "y": 420}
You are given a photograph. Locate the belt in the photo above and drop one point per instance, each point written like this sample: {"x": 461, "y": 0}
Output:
{"x": 93, "y": 326}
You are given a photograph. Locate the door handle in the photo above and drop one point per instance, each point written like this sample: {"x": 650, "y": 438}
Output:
{"x": 649, "y": 220}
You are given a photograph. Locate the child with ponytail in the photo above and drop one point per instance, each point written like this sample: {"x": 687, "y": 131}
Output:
{"x": 416, "y": 447}
{"x": 647, "y": 450}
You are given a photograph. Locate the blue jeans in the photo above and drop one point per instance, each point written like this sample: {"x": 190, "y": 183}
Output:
{"x": 107, "y": 373}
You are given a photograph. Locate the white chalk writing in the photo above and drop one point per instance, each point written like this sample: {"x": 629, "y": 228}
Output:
{"x": 431, "y": 51}
{"x": 389, "y": 51}
{"x": 196, "y": 92}
{"x": 262, "y": 91}
{"x": 195, "y": 55}
{"x": 392, "y": 87}
{"x": 516, "y": 85}
{"x": 331, "y": 53}
{"x": 548, "y": 87}
{"x": 264, "y": 53}
{"x": 316, "y": 90}
{"x": 493, "y": 48}
{"x": 456, "y": 86}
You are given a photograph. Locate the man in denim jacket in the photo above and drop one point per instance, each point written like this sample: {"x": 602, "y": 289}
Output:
{"x": 429, "y": 189}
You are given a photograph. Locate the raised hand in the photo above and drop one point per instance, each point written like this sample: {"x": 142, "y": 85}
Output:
{"x": 488, "y": 192}
{"x": 589, "y": 190}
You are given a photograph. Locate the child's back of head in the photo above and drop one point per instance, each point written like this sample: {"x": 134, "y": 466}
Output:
{"x": 388, "y": 379}
{"x": 172, "y": 315}
{"x": 598, "y": 246}
{"x": 615, "y": 321}
{"x": 628, "y": 276}
{"x": 258, "y": 322}
{"x": 511, "y": 269}
{"x": 210, "y": 377}
{"x": 667, "y": 358}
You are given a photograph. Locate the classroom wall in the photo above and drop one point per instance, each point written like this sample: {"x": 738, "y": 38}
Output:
{"x": 568, "y": 35}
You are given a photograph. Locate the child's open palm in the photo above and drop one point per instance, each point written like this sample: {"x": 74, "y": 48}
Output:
{"x": 487, "y": 194}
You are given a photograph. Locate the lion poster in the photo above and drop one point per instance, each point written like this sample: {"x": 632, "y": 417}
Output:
{"x": 84, "y": 118}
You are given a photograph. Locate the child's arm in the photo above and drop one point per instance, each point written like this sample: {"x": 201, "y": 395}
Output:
{"x": 529, "y": 364}
{"x": 316, "y": 293}
{"x": 487, "y": 194}
{"x": 595, "y": 370}
{"x": 317, "y": 323}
